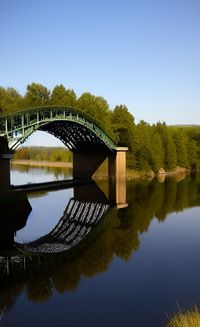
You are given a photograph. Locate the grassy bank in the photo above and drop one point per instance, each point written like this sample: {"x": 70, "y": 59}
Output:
{"x": 190, "y": 318}
{"x": 102, "y": 172}
{"x": 41, "y": 163}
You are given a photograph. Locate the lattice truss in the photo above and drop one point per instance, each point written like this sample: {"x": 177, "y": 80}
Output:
{"x": 75, "y": 129}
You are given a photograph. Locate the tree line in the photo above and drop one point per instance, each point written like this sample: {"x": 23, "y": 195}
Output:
{"x": 44, "y": 153}
{"x": 151, "y": 147}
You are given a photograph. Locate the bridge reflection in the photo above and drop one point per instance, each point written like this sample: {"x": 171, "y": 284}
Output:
{"x": 80, "y": 218}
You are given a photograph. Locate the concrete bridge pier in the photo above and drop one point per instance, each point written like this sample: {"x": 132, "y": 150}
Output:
{"x": 5, "y": 157}
{"x": 117, "y": 177}
{"x": 85, "y": 164}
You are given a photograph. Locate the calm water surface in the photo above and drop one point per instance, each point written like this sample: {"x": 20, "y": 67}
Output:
{"x": 139, "y": 265}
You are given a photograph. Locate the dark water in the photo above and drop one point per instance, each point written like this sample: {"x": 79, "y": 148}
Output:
{"x": 136, "y": 266}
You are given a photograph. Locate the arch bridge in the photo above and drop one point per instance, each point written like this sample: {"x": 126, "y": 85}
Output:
{"x": 74, "y": 128}
{"x": 78, "y": 132}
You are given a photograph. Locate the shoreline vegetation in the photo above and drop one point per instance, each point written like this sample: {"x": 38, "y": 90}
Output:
{"x": 190, "y": 318}
{"x": 41, "y": 163}
{"x": 102, "y": 172}
{"x": 38, "y": 156}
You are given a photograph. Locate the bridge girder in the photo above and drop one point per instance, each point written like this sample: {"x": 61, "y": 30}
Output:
{"x": 75, "y": 129}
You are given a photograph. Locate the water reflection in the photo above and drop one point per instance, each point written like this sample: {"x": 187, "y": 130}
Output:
{"x": 22, "y": 174}
{"x": 15, "y": 209}
{"x": 118, "y": 234}
{"x": 80, "y": 217}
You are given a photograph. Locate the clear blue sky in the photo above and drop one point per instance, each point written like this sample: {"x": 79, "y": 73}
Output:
{"x": 144, "y": 54}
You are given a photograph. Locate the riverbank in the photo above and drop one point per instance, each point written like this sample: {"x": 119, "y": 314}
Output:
{"x": 178, "y": 173}
{"x": 41, "y": 163}
{"x": 102, "y": 173}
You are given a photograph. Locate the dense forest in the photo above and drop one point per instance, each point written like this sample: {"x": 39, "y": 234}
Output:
{"x": 151, "y": 147}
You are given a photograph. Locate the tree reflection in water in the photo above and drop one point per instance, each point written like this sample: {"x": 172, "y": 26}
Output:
{"x": 117, "y": 234}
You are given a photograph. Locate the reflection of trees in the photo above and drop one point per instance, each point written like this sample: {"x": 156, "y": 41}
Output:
{"x": 148, "y": 200}
{"x": 67, "y": 277}
{"x": 116, "y": 235}
{"x": 8, "y": 297}
{"x": 169, "y": 190}
{"x": 39, "y": 289}
{"x": 58, "y": 172}
{"x": 21, "y": 168}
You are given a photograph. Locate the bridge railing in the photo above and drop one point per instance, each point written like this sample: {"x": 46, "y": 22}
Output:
{"x": 18, "y": 126}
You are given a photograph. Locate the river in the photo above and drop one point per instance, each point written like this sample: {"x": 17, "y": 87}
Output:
{"x": 131, "y": 267}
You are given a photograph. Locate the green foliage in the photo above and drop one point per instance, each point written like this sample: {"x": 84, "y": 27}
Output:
{"x": 122, "y": 125}
{"x": 170, "y": 153}
{"x": 36, "y": 95}
{"x": 143, "y": 146}
{"x": 63, "y": 97}
{"x": 10, "y": 100}
{"x": 96, "y": 107}
{"x": 150, "y": 147}
{"x": 180, "y": 140}
{"x": 193, "y": 151}
{"x": 193, "y": 134}
{"x": 44, "y": 153}
{"x": 122, "y": 128}
{"x": 157, "y": 150}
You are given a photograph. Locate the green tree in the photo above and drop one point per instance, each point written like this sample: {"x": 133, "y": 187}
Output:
{"x": 147, "y": 147}
{"x": 61, "y": 96}
{"x": 95, "y": 106}
{"x": 10, "y": 100}
{"x": 157, "y": 150}
{"x": 36, "y": 95}
{"x": 192, "y": 150}
{"x": 122, "y": 123}
{"x": 170, "y": 157}
{"x": 143, "y": 151}
{"x": 180, "y": 140}
{"x": 193, "y": 145}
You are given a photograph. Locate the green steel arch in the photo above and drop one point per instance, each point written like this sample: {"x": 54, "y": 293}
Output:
{"x": 75, "y": 129}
